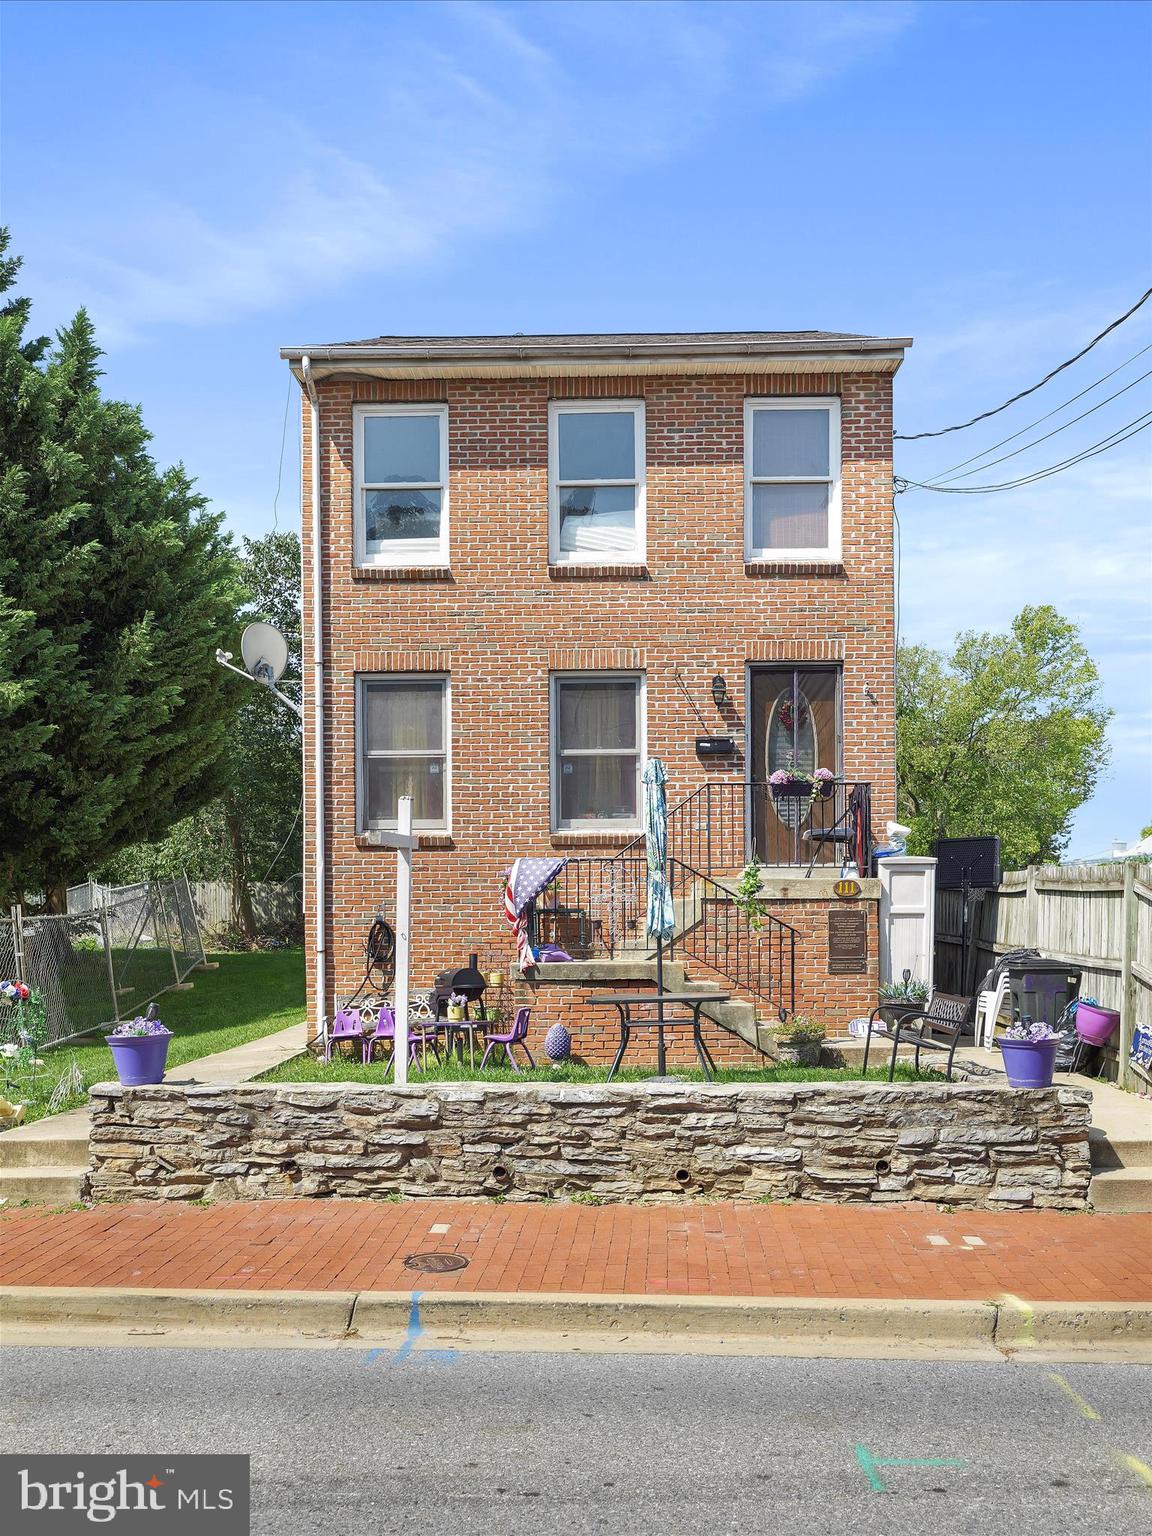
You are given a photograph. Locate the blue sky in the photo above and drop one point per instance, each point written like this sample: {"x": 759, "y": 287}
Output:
{"x": 214, "y": 180}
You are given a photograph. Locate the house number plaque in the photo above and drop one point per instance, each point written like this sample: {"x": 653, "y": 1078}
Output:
{"x": 847, "y": 942}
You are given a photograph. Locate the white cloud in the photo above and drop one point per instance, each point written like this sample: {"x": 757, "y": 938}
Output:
{"x": 477, "y": 132}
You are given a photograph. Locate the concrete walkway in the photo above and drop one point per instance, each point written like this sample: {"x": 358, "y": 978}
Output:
{"x": 46, "y": 1161}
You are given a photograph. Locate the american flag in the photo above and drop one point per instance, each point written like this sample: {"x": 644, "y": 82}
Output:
{"x": 526, "y": 879}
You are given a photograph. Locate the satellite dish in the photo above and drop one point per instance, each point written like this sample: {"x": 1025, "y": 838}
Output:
{"x": 265, "y": 652}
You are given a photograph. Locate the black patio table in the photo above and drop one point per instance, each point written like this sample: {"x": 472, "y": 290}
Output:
{"x": 626, "y": 1003}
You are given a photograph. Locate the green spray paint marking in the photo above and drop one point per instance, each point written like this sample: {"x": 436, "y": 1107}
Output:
{"x": 869, "y": 1465}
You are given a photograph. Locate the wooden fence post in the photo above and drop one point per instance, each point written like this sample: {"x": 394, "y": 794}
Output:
{"x": 1128, "y": 918}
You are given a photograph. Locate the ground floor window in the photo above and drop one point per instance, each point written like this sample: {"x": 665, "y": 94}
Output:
{"x": 597, "y": 750}
{"x": 403, "y": 736}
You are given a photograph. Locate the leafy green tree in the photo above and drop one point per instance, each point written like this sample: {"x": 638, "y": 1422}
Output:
{"x": 1005, "y": 735}
{"x": 115, "y": 587}
{"x": 254, "y": 829}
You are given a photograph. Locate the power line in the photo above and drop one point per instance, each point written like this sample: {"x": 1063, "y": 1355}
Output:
{"x": 283, "y": 440}
{"x": 1121, "y": 435}
{"x": 283, "y": 845}
{"x": 1103, "y": 379}
{"x": 1055, "y": 432}
{"x": 910, "y": 437}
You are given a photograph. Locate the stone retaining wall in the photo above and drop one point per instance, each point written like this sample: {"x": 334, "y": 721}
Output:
{"x": 962, "y": 1144}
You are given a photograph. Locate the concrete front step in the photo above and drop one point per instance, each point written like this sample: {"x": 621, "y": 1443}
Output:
{"x": 44, "y": 1151}
{"x": 46, "y": 1184}
{"x": 1121, "y": 1190}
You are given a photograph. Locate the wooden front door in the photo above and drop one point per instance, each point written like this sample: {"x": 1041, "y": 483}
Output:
{"x": 795, "y": 723}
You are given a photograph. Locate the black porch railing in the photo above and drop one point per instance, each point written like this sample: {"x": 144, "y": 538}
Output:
{"x": 726, "y": 824}
{"x": 597, "y": 908}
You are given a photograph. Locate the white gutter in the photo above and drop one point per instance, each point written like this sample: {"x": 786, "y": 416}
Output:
{"x": 320, "y": 883}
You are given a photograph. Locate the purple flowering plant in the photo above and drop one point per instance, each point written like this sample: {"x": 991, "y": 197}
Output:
{"x": 1031, "y": 1033}
{"x": 132, "y": 1029}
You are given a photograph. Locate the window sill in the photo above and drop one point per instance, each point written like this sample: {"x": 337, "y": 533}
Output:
{"x": 401, "y": 573}
{"x": 627, "y": 570}
{"x": 372, "y": 840}
{"x": 812, "y": 566}
{"x": 575, "y": 839}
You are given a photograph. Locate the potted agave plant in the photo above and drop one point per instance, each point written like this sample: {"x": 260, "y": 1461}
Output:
{"x": 900, "y": 997}
{"x": 1029, "y": 1052}
{"x": 140, "y": 1051}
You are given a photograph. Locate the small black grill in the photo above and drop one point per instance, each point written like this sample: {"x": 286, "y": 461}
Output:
{"x": 468, "y": 981}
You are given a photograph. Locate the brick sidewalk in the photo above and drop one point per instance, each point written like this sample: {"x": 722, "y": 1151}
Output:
{"x": 718, "y": 1250}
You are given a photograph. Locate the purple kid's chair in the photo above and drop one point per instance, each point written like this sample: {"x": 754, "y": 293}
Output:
{"x": 421, "y": 1036}
{"x": 517, "y": 1035}
{"x": 345, "y": 1026}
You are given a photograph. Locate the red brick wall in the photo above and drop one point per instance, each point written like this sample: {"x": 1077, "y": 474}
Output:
{"x": 503, "y": 621}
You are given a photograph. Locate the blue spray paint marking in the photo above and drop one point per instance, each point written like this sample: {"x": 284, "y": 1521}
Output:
{"x": 414, "y": 1330}
{"x": 870, "y": 1464}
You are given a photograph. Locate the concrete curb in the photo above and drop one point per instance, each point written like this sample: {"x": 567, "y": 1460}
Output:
{"x": 509, "y": 1319}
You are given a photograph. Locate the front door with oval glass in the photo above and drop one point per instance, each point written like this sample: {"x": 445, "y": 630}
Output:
{"x": 795, "y": 723}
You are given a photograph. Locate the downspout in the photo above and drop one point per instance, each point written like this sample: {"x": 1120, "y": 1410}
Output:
{"x": 317, "y": 664}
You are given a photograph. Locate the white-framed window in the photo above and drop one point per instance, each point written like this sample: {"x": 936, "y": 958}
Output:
{"x": 595, "y": 481}
{"x": 597, "y": 750}
{"x": 792, "y": 479}
{"x": 403, "y": 737}
{"x": 401, "y": 473}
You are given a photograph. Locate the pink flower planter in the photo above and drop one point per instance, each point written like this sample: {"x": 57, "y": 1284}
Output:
{"x": 1095, "y": 1024}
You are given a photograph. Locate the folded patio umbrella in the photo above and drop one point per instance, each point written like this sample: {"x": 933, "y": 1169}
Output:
{"x": 526, "y": 879}
{"x": 660, "y": 917}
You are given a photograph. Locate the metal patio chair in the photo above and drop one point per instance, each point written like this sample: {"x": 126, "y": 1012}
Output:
{"x": 947, "y": 1016}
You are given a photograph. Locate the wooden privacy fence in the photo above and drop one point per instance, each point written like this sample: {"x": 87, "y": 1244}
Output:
{"x": 1095, "y": 916}
{"x": 274, "y": 906}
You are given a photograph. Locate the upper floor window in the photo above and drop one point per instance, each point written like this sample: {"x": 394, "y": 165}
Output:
{"x": 401, "y": 485}
{"x": 792, "y": 479}
{"x": 402, "y": 749}
{"x": 596, "y": 481}
{"x": 597, "y": 749}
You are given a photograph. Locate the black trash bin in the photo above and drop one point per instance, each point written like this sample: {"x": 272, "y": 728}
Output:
{"x": 1042, "y": 989}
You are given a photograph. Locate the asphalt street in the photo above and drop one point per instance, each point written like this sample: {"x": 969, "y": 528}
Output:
{"x": 403, "y": 1442}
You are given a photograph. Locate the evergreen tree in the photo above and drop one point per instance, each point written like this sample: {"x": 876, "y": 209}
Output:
{"x": 254, "y": 830}
{"x": 116, "y": 586}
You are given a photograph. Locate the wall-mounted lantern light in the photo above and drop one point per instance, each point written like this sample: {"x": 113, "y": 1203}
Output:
{"x": 719, "y": 692}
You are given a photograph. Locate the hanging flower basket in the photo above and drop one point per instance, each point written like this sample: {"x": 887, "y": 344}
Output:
{"x": 793, "y": 783}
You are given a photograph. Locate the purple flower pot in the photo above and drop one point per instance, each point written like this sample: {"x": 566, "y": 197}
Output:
{"x": 1029, "y": 1063}
{"x": 1095, "y": 1024}
{"x": 140, "y": 1059}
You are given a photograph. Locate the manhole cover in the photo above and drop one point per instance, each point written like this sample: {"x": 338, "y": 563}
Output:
{"x": 435, "y": 1263}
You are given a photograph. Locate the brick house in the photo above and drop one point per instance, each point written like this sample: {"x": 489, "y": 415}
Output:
{"x": 544, "y": 558}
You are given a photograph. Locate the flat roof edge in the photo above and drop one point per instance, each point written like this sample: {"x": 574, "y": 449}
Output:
{"x": 593, "y": 351}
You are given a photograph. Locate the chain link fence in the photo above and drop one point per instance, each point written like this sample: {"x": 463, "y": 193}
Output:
{"x": 108, "y": 957}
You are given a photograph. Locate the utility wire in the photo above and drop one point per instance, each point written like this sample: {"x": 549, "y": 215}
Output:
{"x": 1121, "y": 435}
{"x": 283, "y": 845}
{"x": 1024, "y": 447}
{"x": 1103, "y": 379}
{"x": 283, "y": 440}
{"x": 910, "y": 437}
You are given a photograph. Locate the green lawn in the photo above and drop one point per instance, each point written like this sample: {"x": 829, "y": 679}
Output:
{"x": 306, "y": 1069}
{"x": 249, "y": 996}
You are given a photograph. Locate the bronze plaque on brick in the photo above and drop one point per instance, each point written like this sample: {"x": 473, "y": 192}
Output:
{"x": 847, "y": 942}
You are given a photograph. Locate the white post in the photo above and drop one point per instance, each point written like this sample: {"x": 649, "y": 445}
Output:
{"x": 403, "y": 905}
{"x": 907, "y": 917}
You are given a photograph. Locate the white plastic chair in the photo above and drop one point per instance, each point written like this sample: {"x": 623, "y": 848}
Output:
{"x": 988, "y": 1006}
